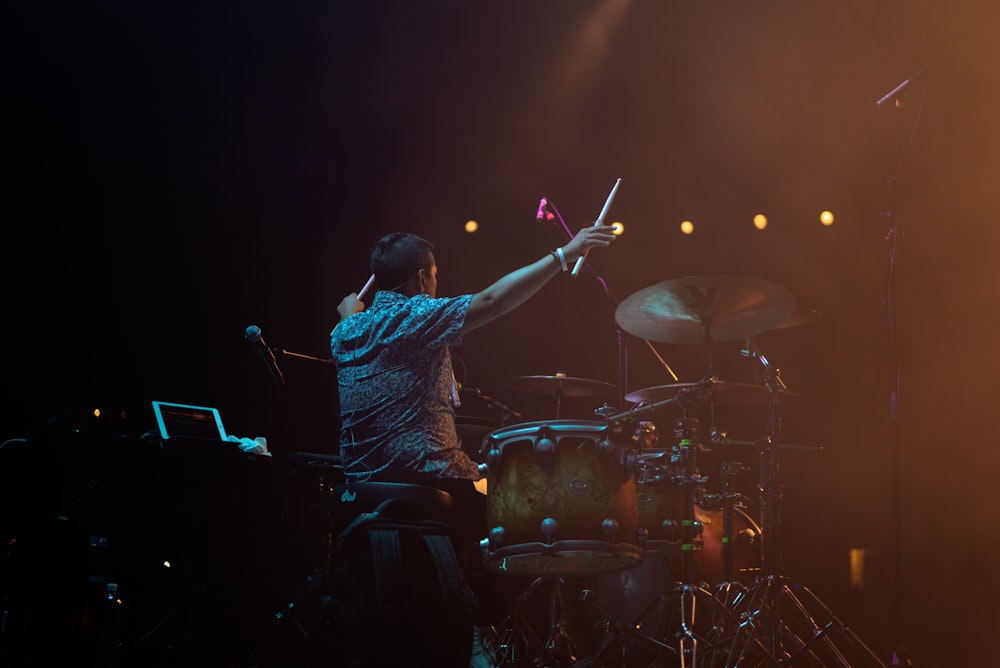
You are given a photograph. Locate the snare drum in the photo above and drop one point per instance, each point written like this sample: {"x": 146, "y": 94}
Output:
{"x": 562, "y": 499}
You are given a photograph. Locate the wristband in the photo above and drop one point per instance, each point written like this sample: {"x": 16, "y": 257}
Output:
{"x": 562, "y": 259}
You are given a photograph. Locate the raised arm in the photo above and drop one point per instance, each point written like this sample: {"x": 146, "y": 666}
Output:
{"x": 520, "y": 285}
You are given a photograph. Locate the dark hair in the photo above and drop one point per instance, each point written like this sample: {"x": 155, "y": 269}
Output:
{"x": 399, "y": 256}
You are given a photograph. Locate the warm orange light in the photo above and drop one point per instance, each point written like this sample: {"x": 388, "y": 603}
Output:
{"x": 760, "y": 221}
{"x": 471, "y": 226}
{"x": 687, "y": 227}
{"x": 617, "y": 228}
{"x": 826, "y": 217}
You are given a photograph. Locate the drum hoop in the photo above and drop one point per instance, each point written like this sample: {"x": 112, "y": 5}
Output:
{"x": 619, "y": 556}
{"x": 495, "y": 442}
{"x": 557, "y": 428}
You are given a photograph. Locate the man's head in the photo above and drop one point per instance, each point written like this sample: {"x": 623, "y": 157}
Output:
{"x": 404, "y": 263}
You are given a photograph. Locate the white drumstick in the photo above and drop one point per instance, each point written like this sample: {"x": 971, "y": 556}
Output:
{"x": 598, "y": 223}
{"x": 368, "y": 286}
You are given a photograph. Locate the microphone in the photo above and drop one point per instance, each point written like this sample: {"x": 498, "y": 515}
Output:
{"x": 253, "y": 336}
{"x": 891, "y": 95}
{"x": 542, "y": 205}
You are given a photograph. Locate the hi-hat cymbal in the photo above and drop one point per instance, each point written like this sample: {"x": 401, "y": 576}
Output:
{"x": 718, "y": 391}
{"x": 705, "y": 309}
{"x": 562, "y": 386}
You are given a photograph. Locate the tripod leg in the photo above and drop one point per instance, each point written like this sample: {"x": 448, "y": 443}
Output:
{"x": 832, "y": 624}
{"x": 538, "y": 630}
{"x": 786, "y": 623}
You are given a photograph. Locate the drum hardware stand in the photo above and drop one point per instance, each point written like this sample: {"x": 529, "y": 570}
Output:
{"x": 724, "y": 622}
{"x": 518, "y": 643}
{"x": 723, "y": 629}
{"x": 780, "y": 611}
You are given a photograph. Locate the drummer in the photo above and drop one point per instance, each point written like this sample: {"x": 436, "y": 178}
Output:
{"x": 397, "y": 389}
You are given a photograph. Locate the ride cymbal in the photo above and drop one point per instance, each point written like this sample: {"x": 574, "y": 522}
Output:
{"x": 563, "y": 386}
{"x": 705, "y": 309}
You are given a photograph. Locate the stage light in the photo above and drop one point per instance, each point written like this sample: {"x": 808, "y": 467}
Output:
{"x": 760, "y": 221}
{"x": 687, "y": 227}
{"x": 617, "y": 228}
{"x": 826, "y": 217}
{"x": 857, "y": 558}
{"x": 471, "y": 226}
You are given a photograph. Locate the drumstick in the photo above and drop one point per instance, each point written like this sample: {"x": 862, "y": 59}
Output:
{"x": 368, "y": 286}
{"x": 598, "y": 223}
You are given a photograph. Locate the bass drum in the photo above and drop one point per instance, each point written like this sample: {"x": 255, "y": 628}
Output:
{"x": 562, "y": 499}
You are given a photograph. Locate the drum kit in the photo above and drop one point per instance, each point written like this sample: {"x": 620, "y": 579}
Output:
{"x": 609, "y": 527}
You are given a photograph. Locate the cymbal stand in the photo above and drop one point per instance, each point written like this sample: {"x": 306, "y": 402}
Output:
{"x": 519, "y": 644}
{"x": 795, "y": 627}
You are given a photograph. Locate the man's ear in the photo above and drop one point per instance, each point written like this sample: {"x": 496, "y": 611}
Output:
{"x": 421, "y": 277}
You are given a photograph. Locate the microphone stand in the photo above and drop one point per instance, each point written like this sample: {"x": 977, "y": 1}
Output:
{"x": 288, "y": 353}
{"x": 892, "y": 237}
{"x": 620, "y": 333}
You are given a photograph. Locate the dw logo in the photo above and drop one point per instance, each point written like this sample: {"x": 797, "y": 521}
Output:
{"x": 348, "y": 496}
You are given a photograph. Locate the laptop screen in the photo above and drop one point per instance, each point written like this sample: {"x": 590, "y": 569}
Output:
{"x": 185, "y": 421}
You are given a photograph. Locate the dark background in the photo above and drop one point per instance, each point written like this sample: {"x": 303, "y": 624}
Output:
{"x": 180, "y": 171}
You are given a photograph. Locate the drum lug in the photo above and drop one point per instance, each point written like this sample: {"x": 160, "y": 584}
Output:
{"x": 609, "y": 527}
{"x": 549, "y": 527}
{"x": 492, "y": 460}
{"x": 669, "y": 527}
{"x": 496, "y": 538}
{"x": 544, "y": 445}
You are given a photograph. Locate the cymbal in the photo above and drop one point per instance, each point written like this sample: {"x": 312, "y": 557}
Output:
{"x": 705, "y": 309}
{"x": 563, "y": 386}
{"x": 801, "y": 317}
{"x": 721, "y": 392}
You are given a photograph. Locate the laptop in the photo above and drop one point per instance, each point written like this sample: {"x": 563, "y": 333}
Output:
{"x": 188, "y": 422}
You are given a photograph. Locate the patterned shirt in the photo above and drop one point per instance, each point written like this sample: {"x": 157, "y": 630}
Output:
{"x": 397, "y": 419}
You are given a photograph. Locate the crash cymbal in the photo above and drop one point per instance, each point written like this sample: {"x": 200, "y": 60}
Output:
{"x": 718, "y": 391}
{"x": 559, "y": 385}
{"x": 705, "y": 309}
{"x": 801, "y": 317}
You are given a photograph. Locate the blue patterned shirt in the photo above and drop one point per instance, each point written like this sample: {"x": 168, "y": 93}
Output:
{"x": 397, "y": 419}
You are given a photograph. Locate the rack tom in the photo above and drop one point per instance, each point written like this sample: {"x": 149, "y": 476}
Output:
{"x": 562, "y": 499}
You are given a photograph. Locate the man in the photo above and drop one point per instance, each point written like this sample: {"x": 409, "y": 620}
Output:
{"x": 397, "y": 388}
{"x": 394, "y": 359}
